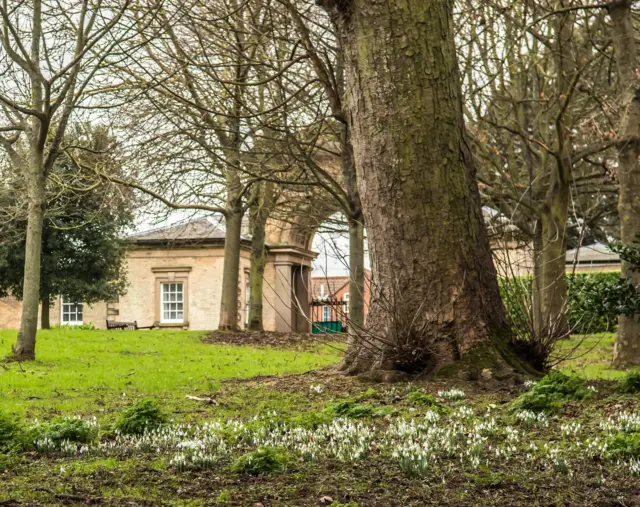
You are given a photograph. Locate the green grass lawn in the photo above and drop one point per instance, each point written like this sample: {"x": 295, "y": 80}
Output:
{"x": 344, "y": 439}
{"x": 89, "y": 371}
{"x": 94, "y": 371}
{"x": 592, "y": 356}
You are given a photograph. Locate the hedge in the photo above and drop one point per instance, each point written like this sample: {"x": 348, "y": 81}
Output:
{"x": 592, "y": 305}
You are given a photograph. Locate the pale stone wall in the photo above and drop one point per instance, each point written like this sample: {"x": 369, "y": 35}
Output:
{"x": 203, "y": 282}
{"x": 269, "y": 298}
{"x": 200, "y": 269}
{"x": 594, "y": 268}
{"x": 512, "y": 260}
{"x": 95, "y": 314}
{"x": 10, "y": 309}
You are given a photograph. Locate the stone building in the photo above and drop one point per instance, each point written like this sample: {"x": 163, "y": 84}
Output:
{"x": 175, "y": 281}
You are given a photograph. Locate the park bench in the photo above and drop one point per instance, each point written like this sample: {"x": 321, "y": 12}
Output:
{"x": 128, "y": 326}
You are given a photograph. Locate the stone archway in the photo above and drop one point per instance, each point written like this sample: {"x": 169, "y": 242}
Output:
{"x": 287, "y": 277}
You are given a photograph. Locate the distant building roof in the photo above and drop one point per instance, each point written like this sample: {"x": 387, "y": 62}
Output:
{"x": 598, "y": 253}
{"x": 197, "y": 231}
{"x": 328, "y": 286}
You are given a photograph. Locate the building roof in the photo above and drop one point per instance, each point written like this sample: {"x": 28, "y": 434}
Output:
{"x": 328, "y": 286}
{"x": 197, "y": 231}
{"x": 598, "y": 253}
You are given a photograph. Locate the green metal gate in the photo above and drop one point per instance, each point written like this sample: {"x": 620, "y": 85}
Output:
{"x": 328, "y": 316}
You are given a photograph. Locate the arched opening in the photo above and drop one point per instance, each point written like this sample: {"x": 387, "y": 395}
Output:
{"x": 300, "y": 250}
{"x": 336, "y": 288}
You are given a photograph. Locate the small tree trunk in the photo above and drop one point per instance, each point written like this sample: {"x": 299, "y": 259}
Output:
{"x": 555, "y": 212}
{"x": 435, "y": 299}
{"x": 627, "y": 347}
{"x": 536, "y": 282}
{"x": 553, "y": 285}
{"x": 231, "y": 267}
{"x": 45, "y": 312}
{"x": 356, "y": 233}
{"x": 256, "y": 277}
{"x": 356, "y": 276}
{"x": 25, "y": 347}
{"x": 259, "y": 215}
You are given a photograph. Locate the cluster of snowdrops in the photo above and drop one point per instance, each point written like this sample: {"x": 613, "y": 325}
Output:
{"x": 448, "y": 433}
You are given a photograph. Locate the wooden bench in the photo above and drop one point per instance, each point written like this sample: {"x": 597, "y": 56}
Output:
{"x": 125, "y": 326}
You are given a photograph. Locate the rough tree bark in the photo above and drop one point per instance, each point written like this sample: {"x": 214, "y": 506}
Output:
{"x": 435, "y": 296}
{"x": 231, "y": 267}
{"x": 25, "y": 347}
{"x": 45, "y": 314}
{"x": 260, "y": 212}
{"x": 627, "y": 347}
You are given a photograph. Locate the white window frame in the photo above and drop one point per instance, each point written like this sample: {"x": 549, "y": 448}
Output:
{"x": 164, "y": 320}
{"x": 64, "y": 303}
{"x": 326, "y": 313}
{"x": 345, "y": 298}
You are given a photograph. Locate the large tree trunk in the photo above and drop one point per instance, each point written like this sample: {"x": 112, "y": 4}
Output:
{"x": 25, "y": 347}
{"x": 435, "y": 297}
{"x": 627, "y": 347}
{"x": 231, "y": 267}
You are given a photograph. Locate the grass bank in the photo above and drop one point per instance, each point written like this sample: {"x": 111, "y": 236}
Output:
{"x": 243, "y": 427}
{"x": 94, "y": 371}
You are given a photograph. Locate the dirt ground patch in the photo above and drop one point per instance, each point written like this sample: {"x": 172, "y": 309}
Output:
{"x": 272, "y": 339}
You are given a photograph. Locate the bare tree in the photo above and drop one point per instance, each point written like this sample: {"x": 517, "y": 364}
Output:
{"x": 325, "y": 56}
{"x": 536, "y": 81}
{"x": 206, "y": 102}
{"x": 51, "y": 54}
{"x": 419, "y": 192}
{"x": 624, "y": 33}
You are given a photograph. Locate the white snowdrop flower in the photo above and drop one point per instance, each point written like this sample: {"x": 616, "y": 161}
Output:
{"x": 452, "y": 394}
